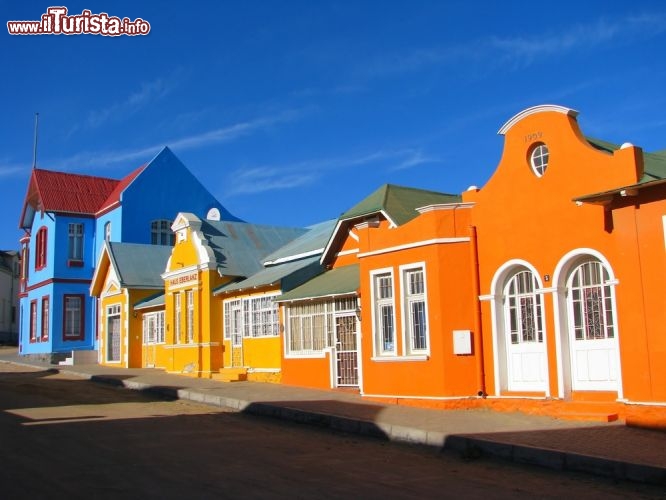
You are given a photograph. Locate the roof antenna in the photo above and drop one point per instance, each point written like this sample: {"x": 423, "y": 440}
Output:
{"x": 34, "y": 151}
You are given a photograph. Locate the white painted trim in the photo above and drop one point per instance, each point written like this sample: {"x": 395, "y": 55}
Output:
{"x": 560, "y": 277}
{"x": 194, "y": 344}
{"x": 392, "y": 223}
{"x": 398, "y": 359}
{"x": 643, "y": 403}
{"x": 290, "y": 258}
{"x": 533, "y": 110}
{"x": 496, "y": 297}
{"x": 329, "y": 243}
{"x": 183, "y": 270}
{"x": 536, "y": 398}
{"x": 416, "y": 244}
{"x": 314, "y": 355}
{"x": 351, "y": 251}
{"x": 353, "y": 235}
{"x": 404, "y": 313}
{"x": 486, "y": 298}
{"x": 663, "y": 220}
{"x": 264, "y": 370}
{"x": 373, "y": 318}
{"x": 444, "y": 206}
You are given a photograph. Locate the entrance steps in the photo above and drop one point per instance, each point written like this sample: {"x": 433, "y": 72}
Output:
{"x": 230, "y": 375}
{"x": 590, "y": 411}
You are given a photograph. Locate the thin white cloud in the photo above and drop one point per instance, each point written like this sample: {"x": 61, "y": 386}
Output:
{"x": 271, "y": 178}
{"x": 147, "y": 93}
{"x": 9, "y": 170}
{"x": 520, "y": 51}
{"x": 103, "y": 159}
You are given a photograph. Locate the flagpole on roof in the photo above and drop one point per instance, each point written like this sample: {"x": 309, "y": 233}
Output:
{"x": 34, "y": 151}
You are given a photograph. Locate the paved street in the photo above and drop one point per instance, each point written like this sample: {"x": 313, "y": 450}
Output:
{"x": 105, "y": 442}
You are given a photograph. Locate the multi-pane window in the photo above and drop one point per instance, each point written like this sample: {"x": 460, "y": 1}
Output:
{"x": 45, "y": 318}
{"x": 252, "y": 316}
{"x": 591, "y": 301}
{"x": 33, "y": 320}
{"x": 107, "y": 231}
{"x": 153, "y": 328}
{"x": 539, "y": 159}
{"x": 177, "y": 318}
{"x": 523, "y": 309}
{"x": 73, "y": 317}
{"x": 414, "y": 300}
{"x": 40, "y": 248}
{"x": 75, "y": 242}
{"x": 384, "y": 314}
{"x": 310, "y": 327}
{"x": 190, "y": 316}
{"x": 161, "y": 233}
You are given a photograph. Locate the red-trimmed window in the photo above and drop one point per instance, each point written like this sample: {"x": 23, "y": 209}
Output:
{"x": 45, "y": 318}
{"x": 73, "y": 317}
{"x": 40, "y": 248}
{"x": 33, "y": 321}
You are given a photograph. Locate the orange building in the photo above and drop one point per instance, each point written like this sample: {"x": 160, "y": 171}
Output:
{"x": 393, "y": 315}
{"x": 572, "y": 264}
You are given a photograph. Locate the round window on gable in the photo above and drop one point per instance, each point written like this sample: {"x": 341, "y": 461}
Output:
{"x": 539, "y": 159}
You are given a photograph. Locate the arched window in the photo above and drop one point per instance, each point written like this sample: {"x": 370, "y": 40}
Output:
{"x": 523, "y": 311}
{"x": 107, "y": 231}
{"x": 40, "y": 248}
{"x": 591, "y": 302}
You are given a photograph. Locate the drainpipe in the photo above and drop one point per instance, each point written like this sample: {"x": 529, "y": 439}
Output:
{"x": 478, "y": 338}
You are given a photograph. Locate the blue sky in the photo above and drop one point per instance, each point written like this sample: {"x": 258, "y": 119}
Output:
{"x": 291, "y": 112}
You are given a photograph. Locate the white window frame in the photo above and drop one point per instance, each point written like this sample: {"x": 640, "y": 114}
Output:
{"x": 158, "y": 318}
{"x": 538, "y": 152}
{"x": 316, "y": 328}
{"x": 177, "y": 317}
{"x": 259, "y": 316}
{"x": 407, "y": 299}
{"x": 189, "y": 295}
{"x": 377, "y": 303}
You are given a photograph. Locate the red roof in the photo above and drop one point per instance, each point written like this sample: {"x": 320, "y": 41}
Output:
{"x": 52, "y": 191}
{"x": 113, "y": 199}
{"x": 72, "y": 193}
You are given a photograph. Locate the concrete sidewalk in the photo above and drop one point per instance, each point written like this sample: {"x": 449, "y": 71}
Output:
{"x": 607, "y": 449}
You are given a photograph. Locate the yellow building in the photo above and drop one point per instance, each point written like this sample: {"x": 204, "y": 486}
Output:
{"x": 126, "y": 273}
{"x": 251, "y": 319}
{"x": 207, "y": 255}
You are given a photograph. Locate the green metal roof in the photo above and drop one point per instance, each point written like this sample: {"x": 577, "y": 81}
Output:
{"x": 138, "y": 265}
{"x": 654, "y": 172}
{"x": 339, "y": 281}
{"x": 314, "y": 240}
{"x": 399, "y": 203}
{"x": 289, "y": 275}
{"x": 156, "y": 300}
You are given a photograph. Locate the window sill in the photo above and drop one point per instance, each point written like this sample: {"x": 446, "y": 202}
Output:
{"x": 400, "y": 359}
{"x": 74, "y": 263}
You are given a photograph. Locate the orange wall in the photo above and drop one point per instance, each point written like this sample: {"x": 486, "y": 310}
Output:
{"x": 450, "y": 303}
{"x": 521, "y": 216}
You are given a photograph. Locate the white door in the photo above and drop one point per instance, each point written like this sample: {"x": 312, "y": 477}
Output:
{"x": 592, "y": 339}
{"x": 523, "y": 327}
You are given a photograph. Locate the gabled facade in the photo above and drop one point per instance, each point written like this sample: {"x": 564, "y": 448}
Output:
{"x": 398, "y": 293}
{"x": 207, "y": 255}
{"x": 572, "y": 264}
{"x": 127, "y": 274}
{"x": 67, "y": 218}
{"x": 9, "y": 287}
{"x": 252, "y": 344}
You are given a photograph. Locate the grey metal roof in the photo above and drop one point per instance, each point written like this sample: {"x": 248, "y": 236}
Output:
{"x": 315, "y": 239}
{"x": 240, "y": 247}
{"x": 339, "y": 281}
{"x": 139, "y": 265}
{"x": 156, "y": 300}
{"x": 289, "y": 275}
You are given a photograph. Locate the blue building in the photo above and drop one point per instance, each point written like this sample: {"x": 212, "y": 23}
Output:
{"x": 66, "y": 218}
